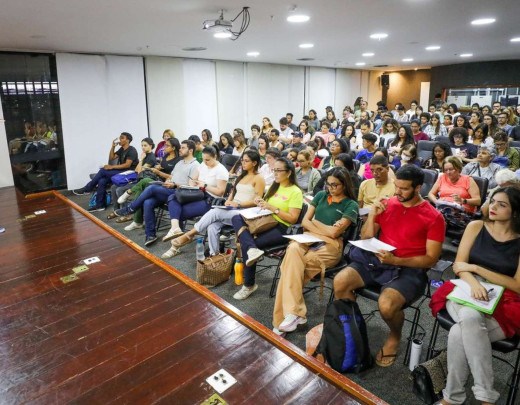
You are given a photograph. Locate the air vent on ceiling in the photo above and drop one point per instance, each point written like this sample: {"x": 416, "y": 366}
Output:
{"x": 194, "y": 49}
{"x": 380, "y": 65}
{"x": 305, "y": 59}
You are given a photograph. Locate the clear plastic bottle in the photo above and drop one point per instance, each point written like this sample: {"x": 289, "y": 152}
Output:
{"x": 199, "y": 250}
{"x": 239, "y": 272}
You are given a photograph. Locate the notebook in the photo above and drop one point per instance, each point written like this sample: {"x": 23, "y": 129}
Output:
{"x": 462, "y": 295}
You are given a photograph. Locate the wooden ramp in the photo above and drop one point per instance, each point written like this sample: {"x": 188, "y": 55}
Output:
{"x": 130, "y": 329}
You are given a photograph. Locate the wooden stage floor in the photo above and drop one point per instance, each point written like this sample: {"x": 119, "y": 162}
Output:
{"x": 130, "y": 329}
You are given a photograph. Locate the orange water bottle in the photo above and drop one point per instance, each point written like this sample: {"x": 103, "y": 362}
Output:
{"x": 239, "y": 272}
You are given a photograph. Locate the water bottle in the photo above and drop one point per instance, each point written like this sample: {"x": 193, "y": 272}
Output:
{"x": 415, "y": 353}
{"x": 199, "y": 250}
{"x": 239, "y": 272}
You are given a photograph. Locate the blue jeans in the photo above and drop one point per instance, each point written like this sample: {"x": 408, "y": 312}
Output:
{"x": 101, "y": 179}
{"x": 187, "y": 211}
{"x": 272, "y": 237}
{"x": 150, "y": 198}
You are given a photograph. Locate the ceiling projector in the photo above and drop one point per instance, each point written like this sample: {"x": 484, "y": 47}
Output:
{"x": 215, "y": 25}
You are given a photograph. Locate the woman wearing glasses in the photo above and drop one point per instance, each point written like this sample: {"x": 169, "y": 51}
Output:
{"x": 247, "y": 187}
{"x": 306, "y": 175}
{"x": 285, "y": 200}
{"x": 330, "y": 213}
{"x": 506, "y": 156}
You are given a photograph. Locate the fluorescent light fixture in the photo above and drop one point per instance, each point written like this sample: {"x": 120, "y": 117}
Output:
{"x": 254, "y": 54}
{"x": 306, "y": 46}
{"x": 408, "y": 60}
{"x": 433, "y": 48}
{"x": 517, "y": 39}
{"x": 360, "y": 64}
{"x": 222, "y": 34}
{"x": 298, "y": 18}
{"x": 483, "y": 21}
{"x": 368, "y": 54}
{"x": 466, "y": 55}
{"x": 380, "y": 35}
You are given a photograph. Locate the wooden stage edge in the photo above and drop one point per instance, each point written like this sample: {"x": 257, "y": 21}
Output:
{"x": 288, "y": 348}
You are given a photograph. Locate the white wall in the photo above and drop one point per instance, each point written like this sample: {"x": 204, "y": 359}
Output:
{"x": 100, "y": 97}
{"x": 321, "y": 89}
{"x": 6, "y": 174}
{"x": 231, "y": 98}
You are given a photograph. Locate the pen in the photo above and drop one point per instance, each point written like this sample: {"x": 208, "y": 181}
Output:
{"x": 490, "y": 290}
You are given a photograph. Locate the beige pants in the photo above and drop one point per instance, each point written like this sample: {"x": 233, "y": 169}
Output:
{"x": 299, "y": 265}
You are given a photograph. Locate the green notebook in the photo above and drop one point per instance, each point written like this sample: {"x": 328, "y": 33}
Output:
{"x": 462, "y": 295}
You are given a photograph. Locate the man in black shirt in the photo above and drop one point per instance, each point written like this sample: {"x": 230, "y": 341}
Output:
{"x": 127, "y": 159}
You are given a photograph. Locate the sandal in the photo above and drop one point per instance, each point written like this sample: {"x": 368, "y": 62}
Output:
{"x": 391, "y": 357}
{"x": 124, "y": 218}
{"x": 112, "y": 215}
{"x": 182, "y": 240}
{"x": 171, "y": 252}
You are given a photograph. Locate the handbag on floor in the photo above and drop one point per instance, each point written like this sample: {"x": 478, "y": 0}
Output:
{"x": 215, "y": 270}
{"x": 429, "y": 378}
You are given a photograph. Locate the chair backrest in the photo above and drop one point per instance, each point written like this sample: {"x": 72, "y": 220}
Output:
{"x": 483, "y": 187}
{"x": 424, "y": 149}
{"x": 430, "y": 177}
{"x": 357, "y": 164}
{"x": 229, "y": 161}
{"x": 353, "y": 232}
{"x": 515, "y": 144}
{"x": 445, "y": 139}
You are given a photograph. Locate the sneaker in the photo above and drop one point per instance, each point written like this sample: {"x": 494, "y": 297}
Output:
{"x": 124, "y": 197}
{"x": 121, "y": 212}
{"x": 279, "y": 332}
{"x": 95, "y": 209}
{"x": 225, "y": 238}
{"x": 253, "y": 255}
{"x": 150, "y": 240}
{"x": 291, "y": 322}
{"x": 133, "y": 225}
{"x": 80, "y": 191}
{"x": 245, "y": 292}
{"x": 171, "y": 252}
{"x": 172, "y": 234}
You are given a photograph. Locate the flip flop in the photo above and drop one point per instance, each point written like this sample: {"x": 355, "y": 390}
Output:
{"x": 392, "y": 358}
{"x": 182, "y": 240}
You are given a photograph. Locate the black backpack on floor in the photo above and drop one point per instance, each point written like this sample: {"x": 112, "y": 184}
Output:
{"x": 344, "y": 341}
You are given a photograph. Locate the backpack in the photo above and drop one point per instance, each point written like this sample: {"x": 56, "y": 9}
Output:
{"x": 92, "y": 200}
{"x": 344, "y": 341}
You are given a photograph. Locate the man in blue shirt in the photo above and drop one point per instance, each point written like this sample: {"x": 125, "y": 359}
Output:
{"x": 369, "y": 148}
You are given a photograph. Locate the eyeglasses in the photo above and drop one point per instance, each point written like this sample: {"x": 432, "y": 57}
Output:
{"x": 378, "y": 170}
{"x": 332, "y": 185}
{"x": 280, "y": 170}
{"x": 500, "y": 144}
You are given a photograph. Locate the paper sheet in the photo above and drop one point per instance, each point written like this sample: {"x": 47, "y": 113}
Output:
{"x": 254, "y": 212}
{"x": 304, "y": 238}
{"x": 372, "y": 245}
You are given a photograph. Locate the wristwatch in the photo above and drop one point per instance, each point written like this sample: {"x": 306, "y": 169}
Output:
{"x": 464, "y": 201}
{"x": 277, "y": 211}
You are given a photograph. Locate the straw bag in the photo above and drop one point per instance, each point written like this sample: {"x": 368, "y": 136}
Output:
{"x": 214, "y": 270}
{"x": 429, "y": 378}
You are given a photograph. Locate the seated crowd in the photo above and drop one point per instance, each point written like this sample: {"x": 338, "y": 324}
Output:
{"x": 363, "y": 170}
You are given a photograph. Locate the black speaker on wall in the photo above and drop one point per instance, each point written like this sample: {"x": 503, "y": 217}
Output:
{"x": 385, "y": 80}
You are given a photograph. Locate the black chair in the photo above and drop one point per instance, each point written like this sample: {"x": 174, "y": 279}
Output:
{"x": 425, "y": 149}
{"x": 502, "y": 346}
{"x": 430, "y": 177}
{"x": 229, "y": 161}
{"x": 515, "y": 144}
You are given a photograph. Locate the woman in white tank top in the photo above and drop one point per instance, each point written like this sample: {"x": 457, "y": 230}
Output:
{"x": 248, "y": 186}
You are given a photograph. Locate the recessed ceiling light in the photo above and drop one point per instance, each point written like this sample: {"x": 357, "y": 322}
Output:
{"x": 466, "y": 55}
{"x": 368, "y": 54}
{"x": 483, "y": 21}
{"x": 253, "y": 54}
{"x": 305, "y": 46}
{"x": 305, "y": 59}
{"x": 222, "y": 34}
{"x": 360, "y": 64}
{"x": 298, "y": 18}
{"x": 380, "y": 35}
{"x": 433, "y": 48}
{"x": 408, "y": 60}
{"x": 517, "y": 39}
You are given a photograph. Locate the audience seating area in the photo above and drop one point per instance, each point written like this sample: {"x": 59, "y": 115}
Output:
{"x": 424, "y": 151}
